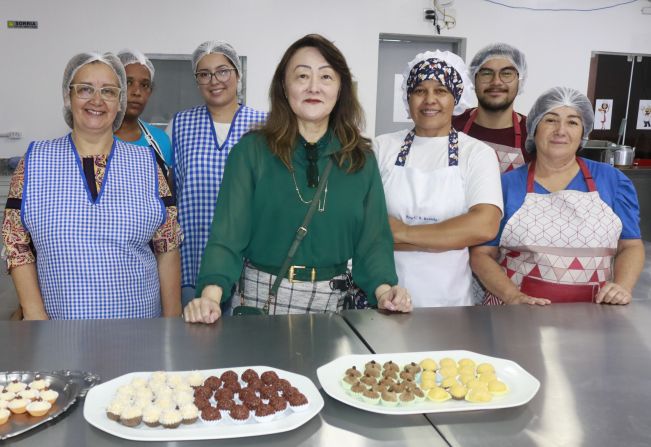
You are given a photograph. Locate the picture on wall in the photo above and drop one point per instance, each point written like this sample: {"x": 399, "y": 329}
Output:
{"x": 603, "y": 112}
{"x": 644, "y": 115}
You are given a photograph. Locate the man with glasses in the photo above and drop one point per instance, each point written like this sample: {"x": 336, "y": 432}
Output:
{"x": 140, "y": 83}
{"x": 202, "y": 138}
{"x": 499, "y": 73}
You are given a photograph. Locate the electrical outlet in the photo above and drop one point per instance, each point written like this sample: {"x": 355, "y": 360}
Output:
{"x": 13, "y": 135}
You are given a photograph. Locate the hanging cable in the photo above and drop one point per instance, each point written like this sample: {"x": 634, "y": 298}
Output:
{"x": 561, "y": 9}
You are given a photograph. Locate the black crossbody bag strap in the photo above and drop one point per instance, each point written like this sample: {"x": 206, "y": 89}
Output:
{"x": 301, "y": 232}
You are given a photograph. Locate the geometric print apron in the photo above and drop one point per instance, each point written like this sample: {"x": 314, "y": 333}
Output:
{"x": 509, "y": 157}
{"x": 561, "y": 245}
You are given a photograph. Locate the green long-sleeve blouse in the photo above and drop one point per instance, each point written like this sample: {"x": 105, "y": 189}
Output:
{"x": 258, "y": 211}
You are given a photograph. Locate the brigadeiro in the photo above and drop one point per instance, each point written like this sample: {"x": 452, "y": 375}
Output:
{"x": 234, "y": 386}
{"x": 268, "y": 392}
{"x": 239, "y": 414}
{"x": 249, "y": 374}
{"x": 283, "y": 384}
{"x": 211, "y": 414}
{"x": 278, "y": 403}
{"x": 203, "y": 391}
{"x": 297, "y": 401}
{"x": 256, "y": 384}
{"x": 290, "y": 391}
{"x": 264, "y": 413}
{"x": 246, "y": 393}
{"x": 252, "y": 402}
{"x": 269, "y": 377}
{"x": 224, "y": 393}
{"x": 225, "y": 405}
{"x": 201, "y": 402}
{"x": 229, "y": 376}
{"x": 213, "y": 382}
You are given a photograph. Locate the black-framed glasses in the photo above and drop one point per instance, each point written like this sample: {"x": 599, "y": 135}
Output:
{"x": 312, "y": 155}
{"x": 87, "y": 91}
{"x": 204, "y": 77}
{"x": 507, "y": 75}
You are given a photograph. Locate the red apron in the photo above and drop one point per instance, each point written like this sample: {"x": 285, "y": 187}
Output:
{"x": 509, "y": 157}
{"x": 560, "y": 245}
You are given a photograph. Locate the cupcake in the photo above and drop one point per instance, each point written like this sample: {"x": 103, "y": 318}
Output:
{"x": 466, "y": 378}
{"x": 151, "y": 416}
{"x": 256, "y": 384}
{"x": 38, "y": 408}
{"x": 233, "y": 386}
{"x": 374, "y": 372}
{"x": 404, "y": 375}
{"x": 269, "y": 377}
{"x": 170, "y": 418}
{"x": 131, "y": 416}
{"x": 213, "y": 383}
{"x": 264, "y": 413}
{"x": 427, "y": 384}
{"x": 389, "y": 374}
{"x": 418, "y": 394}
{"x": 141, "y": 403}
{"x": 4, "y": 415}
{"x": 175, "y": 380}
{"x": 189, "y": 414}
{"x": 479, "y": 395}
{"x": 115, "y": 408}
{"x": 466, "y": 370}
{"x": 38, "y": 384}
{"x": 373, "y": 364}
{"x": 387, "y": 382}
{"x": 4, "y": 404}
{"x": 368, "y": 396}
{"x": 412, "y": 368}
{"x": 487, "y": 377}
{"x": 7, "y": 395}
{"x": 278, "y": 403}
{"x": 18, "y": 406}
{"x": 248, "y": 375}
{"x": 239, "y": 414}
{"x": 389, "y": 398}
{"x": 165, "y": 403}
{"x": 158, "y": 376}
{"x": 348, "y": 381}
{"x": 407, "y": 397}
{"x": 125, "y": 390}
{"x": 368, "y": 379}
{"x": 28, "y": 394}
{"x": 449, "y": 382}
{"x": 448, "y": 371}
{"x": 391, "y": 366}
{"x": 211, "y": 414}
{"x": 182, "y": 398}
{"x": 354, "y": 371}
{"x": 15, "y": 386}
{"x": 144, "y": 393}
{"x": 194, "y": 379}
{"x": 138, "y": 383}
{"x": 246, "y": 393}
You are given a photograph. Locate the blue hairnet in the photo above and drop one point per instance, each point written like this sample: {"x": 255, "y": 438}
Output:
{"x": 552, "y": 99}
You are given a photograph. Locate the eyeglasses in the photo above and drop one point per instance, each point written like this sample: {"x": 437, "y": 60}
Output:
{"x": 204, "y": 77}
{"x": 144, "y": 85}
{"x": 312, "y": 155}
{"x": 86, "y": 91}
{"x": 507, "y": 75}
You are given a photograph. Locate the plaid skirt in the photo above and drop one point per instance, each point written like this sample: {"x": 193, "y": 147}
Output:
{"x": 293, "y": 298}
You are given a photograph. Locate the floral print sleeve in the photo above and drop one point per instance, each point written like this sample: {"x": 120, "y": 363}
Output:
{"x": 18, "y": 249}
{"x": 168, "y": 237}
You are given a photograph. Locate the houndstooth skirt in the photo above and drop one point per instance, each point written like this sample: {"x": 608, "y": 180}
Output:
{"x": 293, "y": 298}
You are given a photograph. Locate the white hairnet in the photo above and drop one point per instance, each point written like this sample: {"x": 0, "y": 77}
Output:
{"x": 79, "y": 60}
{"x": 218, "y": 46}
{"x": 501, "y": 50}
{"x": 452, "y": 60}
{"x": 552, "y": 99}
{"x": 132, "y": 56}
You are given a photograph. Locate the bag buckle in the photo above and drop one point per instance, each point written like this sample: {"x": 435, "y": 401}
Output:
{"x": 291, "y": 275}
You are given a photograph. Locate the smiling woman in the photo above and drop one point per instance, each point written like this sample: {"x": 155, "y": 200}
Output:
{"x": 75, "y": 247}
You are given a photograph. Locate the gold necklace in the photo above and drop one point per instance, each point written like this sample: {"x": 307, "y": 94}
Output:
{"x": 321, "y": 206}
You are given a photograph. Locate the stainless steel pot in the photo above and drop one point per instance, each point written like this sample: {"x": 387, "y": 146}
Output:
{"x": 624, "y": 156}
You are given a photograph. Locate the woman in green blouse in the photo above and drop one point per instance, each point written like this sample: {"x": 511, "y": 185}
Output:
{"x": 270, "y": 179}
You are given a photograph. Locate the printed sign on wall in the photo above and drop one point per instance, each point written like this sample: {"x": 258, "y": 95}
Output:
{"x": 644, "y": 115}
{"x": 603, "y": 112}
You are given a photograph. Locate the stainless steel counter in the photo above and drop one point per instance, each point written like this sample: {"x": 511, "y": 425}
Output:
{"x": 111, "y": 348}
{"x": 593, "y": 362}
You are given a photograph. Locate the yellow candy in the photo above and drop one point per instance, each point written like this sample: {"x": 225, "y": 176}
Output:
{"x": 447, "y": 361}
{"x": 478, "y": 395}
{"x": 428, "y": 375}
{"x": 458, "y": 391}
{"x": 476, "y": 383}
{"x": 484, "y": 368}
{"x": 428, "y": 365}
{"x": 466, "y": 362}
{"x": 487, "y": 377}
{"x": 427, "y": 384}
{"x": 449, "y": 382}
{"x": 497, "y": 388}
{"x": 467, "y": 369}
{"x": 438, "y": 395}
{"x": 466, "y": 378}
{"x": 448, "y": 371}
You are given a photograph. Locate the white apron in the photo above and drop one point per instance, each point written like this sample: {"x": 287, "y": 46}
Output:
{"x": 419, "y": 197}
{"x": 561, "y": 245}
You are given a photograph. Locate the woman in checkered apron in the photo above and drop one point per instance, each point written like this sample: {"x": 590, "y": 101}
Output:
{"x": 571, "y": 229}
{"x": 85, "y": 237}
{"x": 269, "y": 183}
{"x": 202, "y": 138}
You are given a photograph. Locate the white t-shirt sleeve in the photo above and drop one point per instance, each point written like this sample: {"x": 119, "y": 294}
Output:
{"x": 386, "y": 148}
{"x": 483, "y": 183}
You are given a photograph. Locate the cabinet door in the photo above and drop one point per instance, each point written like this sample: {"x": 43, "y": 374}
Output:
{"x": 637, "y": 135}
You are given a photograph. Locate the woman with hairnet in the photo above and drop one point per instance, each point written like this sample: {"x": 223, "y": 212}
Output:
{"x": 442, "y": 187}
{"x": 571, "y": 229}
{"x": 140, "y": 84}
{"x": 85, "y": 237}
{"x": 202, "y": 138}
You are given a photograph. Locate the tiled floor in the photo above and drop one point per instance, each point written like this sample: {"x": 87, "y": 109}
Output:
{"x": 9, "y": 302}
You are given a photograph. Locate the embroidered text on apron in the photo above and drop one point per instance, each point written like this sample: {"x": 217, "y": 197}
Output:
{"x": 560, "y": 245}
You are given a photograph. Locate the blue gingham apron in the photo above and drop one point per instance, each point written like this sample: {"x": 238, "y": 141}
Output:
{"x": 93, "y": 257}
{"x": 198, "y": 168}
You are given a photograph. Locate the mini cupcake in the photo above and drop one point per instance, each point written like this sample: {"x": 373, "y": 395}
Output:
{"x": 427, "y": 375}
{"x": 387, "y": 382}
{"x": 28, "y": 394}
{"x": 249, "y": 374}
{"x": 389, "y": 374}
{"x": 389, "y": 398}
{"x": 373, "y": 372}
{"x": 428, "y": 384}
{"x": 348, "y": 381}
{"x": 38, "y": 408}
{"x": 151, "y": 416}
{"x": 412, "y": 368}
{"x": 256, "y": 384}
{"x": 447, "y": 362}
{"x": 354, "y": 371}
{"x": 483, "y": 368}
{"x": 298, "y": 402}
{"x": 264, "y": 413}
{"x": 182, "y": 398}
{"x": 115, "y": 408}
{"x": 38, "y": 384}
{"x": 7, "y": 395}
{"x": 175, "y": 380}
{"x": 369, "y": 380}
{"x": 373, "y": 364}
{"x": 15, "y": 386}
{"x": 448, "y": 371}
{"x": 4, "y": 415}
{"x": 369, "y": 396}
{"x": 165, "y": 403}
{"x": 131, "y": 416}
{"x": 144, "y": 393}
{"x": 391, "y": 366}
{"x": 189, "y": 414}
{"x": 466, "y": 362}
{"x": 278, "y": 403}
{"x": 170, "y": 418}
{"x": 18, "y": 406}
{"x": 194, "y": 379}
{"x": 211, "y": 414}
{"x": 213, "y": 383}
{"x": 407, "y": 397}
{"x": 233, "y": 386}
{"x": 125, "y": 390}
{"x": 246, "y": 393}
{"x": 497, "y": 387}
{"x": 158, "y": 376}
{"x": 404, "y": 375}
{"x": 357, "y": 390}
{"x": 449, "y": 382}
{"x": 142, "y": 402}
{"x": 239, "y": 414}
{"x": 418, "y": 394}
{"x": 4, "y": 404}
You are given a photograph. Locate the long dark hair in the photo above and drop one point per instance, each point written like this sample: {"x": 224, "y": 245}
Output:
{"x": 346, "y": 118}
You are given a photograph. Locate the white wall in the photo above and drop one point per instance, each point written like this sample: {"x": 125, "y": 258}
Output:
{"x": 557, "y": 44}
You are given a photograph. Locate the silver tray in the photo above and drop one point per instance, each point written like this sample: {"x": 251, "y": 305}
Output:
{"x": 69, "y": 384}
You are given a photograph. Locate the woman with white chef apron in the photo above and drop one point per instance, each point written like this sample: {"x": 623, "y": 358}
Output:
{"x": 570, "y": 231}
{"x": 442, "y": 187}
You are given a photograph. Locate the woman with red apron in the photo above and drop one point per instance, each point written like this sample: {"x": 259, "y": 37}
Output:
{"x": 573, "y": 236}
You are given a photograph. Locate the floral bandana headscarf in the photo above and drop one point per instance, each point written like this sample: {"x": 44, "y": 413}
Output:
{"x": 438, "y": 70}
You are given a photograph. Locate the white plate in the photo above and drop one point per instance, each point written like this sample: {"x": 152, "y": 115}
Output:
{"x": 522, "y": 385}
{"x": 100, "y": 396}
